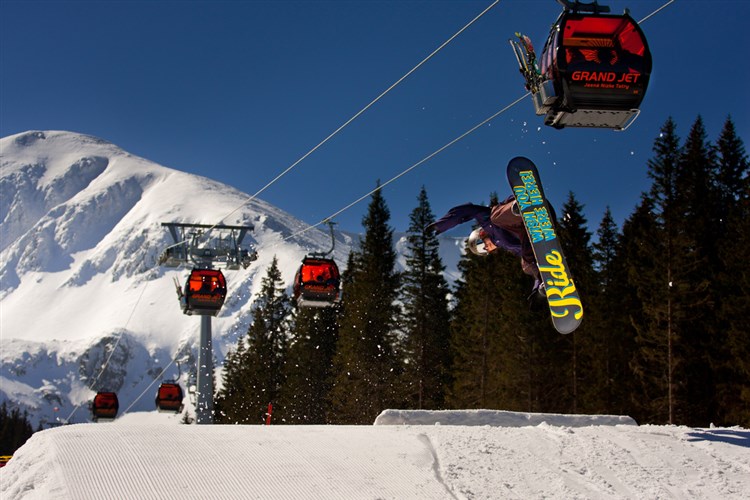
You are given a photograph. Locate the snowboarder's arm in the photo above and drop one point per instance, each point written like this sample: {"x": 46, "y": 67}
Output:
{"x": 459, "y": 215}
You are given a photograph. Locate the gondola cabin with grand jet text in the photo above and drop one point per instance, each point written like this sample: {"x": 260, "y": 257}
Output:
{"x": 594, "y": 69}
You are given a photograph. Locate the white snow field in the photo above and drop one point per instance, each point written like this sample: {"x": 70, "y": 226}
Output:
{"x": 431, "y": 455}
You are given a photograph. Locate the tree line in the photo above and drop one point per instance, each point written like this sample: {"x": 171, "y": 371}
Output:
{"x": 665, "y": 338}
{"x": 15, "y": 429}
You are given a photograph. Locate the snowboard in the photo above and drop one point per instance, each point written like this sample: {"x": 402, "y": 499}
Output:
{"x": 562, "y": 296}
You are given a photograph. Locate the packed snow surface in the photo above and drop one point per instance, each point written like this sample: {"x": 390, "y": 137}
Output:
{"x": 149, "y": 455}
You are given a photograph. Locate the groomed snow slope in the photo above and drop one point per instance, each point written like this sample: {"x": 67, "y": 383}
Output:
{"x": 146, "y": 455}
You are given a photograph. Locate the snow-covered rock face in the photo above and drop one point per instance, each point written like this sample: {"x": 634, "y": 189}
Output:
{"x": 80, "y": 235}
{"x": 25, "y": 199}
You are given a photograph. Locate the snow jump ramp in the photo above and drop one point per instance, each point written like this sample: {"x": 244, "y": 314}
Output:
{"x": 490, "y": 455}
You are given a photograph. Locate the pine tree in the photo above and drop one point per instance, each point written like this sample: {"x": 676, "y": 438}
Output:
{"x": 605, "y": 249}
{"x": 582, "y": 344}
{"x": 697, "y": 259}
{"x": 426, "y": 313}
{"x": 254, "y": 373}
{"x": 675, "y": 291}
{"x": 732, "y": 167}
{"x": 503, "y": 352}
{"x": 654, "y": 275}
{"x": 614, "y": 332}
{"x": 15, "y": 429}
{"x": 650, "y": 365}
{"x": 232, "y": 401}
{"x": 733, "y": 280}
{"x": 308, "y": 370}
{"x": 474, "y": 352}
{"x": 367, "y": 361}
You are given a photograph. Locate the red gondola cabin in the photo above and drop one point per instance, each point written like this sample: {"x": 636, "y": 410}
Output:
{"x": 105, "y": 406}
{"x": 169, "y": 397}
{"x": 594, "y": 70}
{"x": 205, "y": 292}
{"x": 317, "y": 283}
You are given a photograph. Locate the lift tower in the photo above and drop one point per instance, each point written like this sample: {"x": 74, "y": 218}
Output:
{"x": 206, "y": 249}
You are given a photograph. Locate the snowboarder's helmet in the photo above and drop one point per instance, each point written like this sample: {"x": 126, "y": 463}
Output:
{"x": 476, "y": 242}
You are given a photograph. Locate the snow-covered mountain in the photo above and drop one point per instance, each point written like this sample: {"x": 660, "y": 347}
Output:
{"x": 80, "y": 235}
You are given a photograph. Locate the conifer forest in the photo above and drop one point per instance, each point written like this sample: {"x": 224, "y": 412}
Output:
{"x": 665, "y": 338}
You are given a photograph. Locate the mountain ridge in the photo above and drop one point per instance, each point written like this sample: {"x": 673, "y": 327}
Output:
{"x": 81, "y": 234}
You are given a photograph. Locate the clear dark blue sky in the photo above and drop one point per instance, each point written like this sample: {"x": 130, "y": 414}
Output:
{"x": 239, "y": 90}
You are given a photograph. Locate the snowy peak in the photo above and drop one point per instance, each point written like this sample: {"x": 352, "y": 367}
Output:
{"x": 33, "y": 181}
{"x": 80, "y": 213}
{"x": 72, "y": 202}
{"x": 62, "y": 194}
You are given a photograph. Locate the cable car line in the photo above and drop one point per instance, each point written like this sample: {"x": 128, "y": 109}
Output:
{"x": 420, "y": 162}
{"x": 112, "y": 352}
{"x": 320, "y": 144}
{"x": 423, "y": 161}
{"x": 159, "y": 376}
{"x": 360, "y": 112}
{"x": 654, "y": 12}
{"x": 354, "y": 117}
{"x": 393, "y": 179}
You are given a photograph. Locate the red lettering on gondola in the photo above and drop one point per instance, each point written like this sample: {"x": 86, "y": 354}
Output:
{"x": 594, "y": 76}
{"x": 629, "y": 78}
{"x": 604, "y": 76}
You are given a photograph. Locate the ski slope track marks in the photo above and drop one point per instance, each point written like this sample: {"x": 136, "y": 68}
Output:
{"x": 492, "y": 455}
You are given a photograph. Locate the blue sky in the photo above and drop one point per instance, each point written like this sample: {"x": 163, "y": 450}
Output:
{"x": 239, "y": 90}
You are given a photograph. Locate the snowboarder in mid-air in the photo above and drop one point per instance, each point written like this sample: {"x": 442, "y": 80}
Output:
{"x": 524, "y": 224}
{"x": 500, "y": 226}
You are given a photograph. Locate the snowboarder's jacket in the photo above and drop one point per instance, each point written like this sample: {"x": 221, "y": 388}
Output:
{"x": 501, "y": 237}
{"x": 505, "y": 229}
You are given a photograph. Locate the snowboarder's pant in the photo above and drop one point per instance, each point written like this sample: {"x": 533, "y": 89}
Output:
{"x": 502, "y": 216}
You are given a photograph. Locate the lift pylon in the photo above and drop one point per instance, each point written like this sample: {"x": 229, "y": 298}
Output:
{"x": 205, "y": 248}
